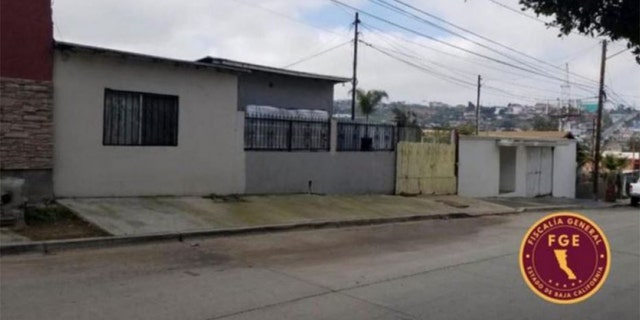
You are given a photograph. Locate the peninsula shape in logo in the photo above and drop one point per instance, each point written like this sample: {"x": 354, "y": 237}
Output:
{"x": 564, "y": 258}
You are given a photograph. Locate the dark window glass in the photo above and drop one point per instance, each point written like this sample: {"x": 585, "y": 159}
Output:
{"x": 140, "y": 119}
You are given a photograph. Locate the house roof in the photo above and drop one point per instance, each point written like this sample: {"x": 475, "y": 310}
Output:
{"x": 266, "y": 69}
{"x": 207, "y": 62}
{"x": 75, "y": 47}
{"x": 528, "y": 135}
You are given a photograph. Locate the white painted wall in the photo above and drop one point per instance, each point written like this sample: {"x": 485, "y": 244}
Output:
{"x": 564, "y": 168}
{"x": 479, "y": 168}
{"x": 209, "y": 157}
{"x": 521, "y": 173}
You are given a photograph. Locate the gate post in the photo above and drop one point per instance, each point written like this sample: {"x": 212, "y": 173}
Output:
{"x": 333, "y": 135}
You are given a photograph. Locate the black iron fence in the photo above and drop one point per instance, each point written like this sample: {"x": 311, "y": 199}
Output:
{"x": 276, "y": 133}
{"x": 355, "y": 136}
{"x": 286, "y": 133}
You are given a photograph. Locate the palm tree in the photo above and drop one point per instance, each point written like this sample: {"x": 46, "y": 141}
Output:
{"x": 369, "y": 100}
{"x": 613, "y": 164}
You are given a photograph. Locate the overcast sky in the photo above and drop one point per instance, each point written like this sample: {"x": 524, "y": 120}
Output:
{"x": 280, "y": 32}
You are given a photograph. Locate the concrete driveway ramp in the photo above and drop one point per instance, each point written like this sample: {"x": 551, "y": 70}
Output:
{"x": 128, "y": 216}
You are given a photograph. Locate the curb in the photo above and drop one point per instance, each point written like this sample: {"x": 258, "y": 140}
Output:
{"x": 568, "y": 206}
{"x": 46, "y": 247}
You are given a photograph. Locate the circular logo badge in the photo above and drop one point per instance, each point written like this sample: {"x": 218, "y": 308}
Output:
{"x": 564, "y": 258}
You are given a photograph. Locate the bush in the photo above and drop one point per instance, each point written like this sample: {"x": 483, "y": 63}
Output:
{"x": 47, "y": 214}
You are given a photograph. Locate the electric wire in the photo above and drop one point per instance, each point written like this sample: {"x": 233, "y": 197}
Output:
{"x": 307, "y": 58}
{"x": 421, "y": 34}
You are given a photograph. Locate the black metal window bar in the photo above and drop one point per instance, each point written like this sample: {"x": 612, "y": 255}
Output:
{"x": 285, "y": 133}
{"x": 355, "y": 136}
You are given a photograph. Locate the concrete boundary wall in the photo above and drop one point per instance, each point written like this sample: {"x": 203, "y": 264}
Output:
{"x": 329, "y": 172}
{"x": 324, "y": 172}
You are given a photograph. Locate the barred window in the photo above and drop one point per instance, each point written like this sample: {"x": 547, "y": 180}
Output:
{"x": 140, "y": 119}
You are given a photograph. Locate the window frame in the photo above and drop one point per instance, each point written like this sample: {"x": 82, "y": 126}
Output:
{"x": 141, "y": 96}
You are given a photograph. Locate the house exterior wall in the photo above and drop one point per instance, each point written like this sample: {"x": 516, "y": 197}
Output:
{"x": 26, "y": 124}
{"x": 330, "y": 172}
{"x": 564, "y": 171}
{"x": 26, "y": 95}
{"x": 26, "y": 30}
{"x": 284, "y": 92}
{"x": 479, "y": 168}
{"x": 209, "y": 157}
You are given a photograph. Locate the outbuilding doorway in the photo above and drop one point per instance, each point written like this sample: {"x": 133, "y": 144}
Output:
{"x": 539, "y": 171}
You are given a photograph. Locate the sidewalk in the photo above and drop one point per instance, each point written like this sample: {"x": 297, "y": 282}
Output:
{"x": 140, "y": 216}
{"x": 521, "y": 204}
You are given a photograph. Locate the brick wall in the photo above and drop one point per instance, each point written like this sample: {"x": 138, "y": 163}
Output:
{"x": 26, "y": 124}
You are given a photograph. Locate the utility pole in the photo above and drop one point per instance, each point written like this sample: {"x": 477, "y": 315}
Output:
{"x": 478, "y": 106}
{"x": 596, "y": 162}
{"x": 354, "y": 81}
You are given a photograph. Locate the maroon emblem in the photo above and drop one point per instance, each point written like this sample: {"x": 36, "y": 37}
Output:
{"x": 564, "y": 258}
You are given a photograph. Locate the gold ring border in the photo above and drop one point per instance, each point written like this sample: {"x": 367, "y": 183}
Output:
{"x": 584, "y": 297}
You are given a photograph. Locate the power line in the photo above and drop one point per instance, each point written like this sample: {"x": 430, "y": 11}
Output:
{"x": 391, "y": 37}
{"x": 617, "y": 53}
{"x": 317, "y": 54}
{"x": 288, "y": 17}
{"x": 452, "y": 45}
{"x": 476, "y": 35}
{"x": 453, "y": 69}
{"x": 411, "y": 15}
{"x": 418, "y": 66}
{"x": 547, "y": 24}
{"x": 576, "y": 54}
{"x": 448, "y": 78}
{"x": 521, "y": 13}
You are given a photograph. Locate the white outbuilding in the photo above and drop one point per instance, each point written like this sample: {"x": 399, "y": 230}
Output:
{"x": 517, "y": 164}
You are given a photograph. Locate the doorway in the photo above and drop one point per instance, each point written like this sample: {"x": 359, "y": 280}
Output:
{"x": 507, "y": 170}
{"x": 539, "y": 171}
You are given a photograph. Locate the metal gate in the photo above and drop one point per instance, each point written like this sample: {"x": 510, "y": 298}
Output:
{"x": 539, "y": 171}
{"x": 425, "y": 168}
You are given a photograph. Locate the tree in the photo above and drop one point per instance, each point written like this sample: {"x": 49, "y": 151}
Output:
{"x": 407, "y": 123}
{"x": 369, "y": 100}
{"x": 633, "y": 145}
{"x": 404, "y": 118}
{"x": 583, "y": 155}
{"x": 544, "y": 124}
{"x": 615, "y": 19}
{"x": 466, "y": 129}
{"x": 613, "y": 165}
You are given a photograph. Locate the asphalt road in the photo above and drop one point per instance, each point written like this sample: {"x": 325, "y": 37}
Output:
{"x": 445, "y": 269}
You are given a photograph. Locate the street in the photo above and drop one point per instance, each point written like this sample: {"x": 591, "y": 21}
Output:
{"x": 438, "y": 269}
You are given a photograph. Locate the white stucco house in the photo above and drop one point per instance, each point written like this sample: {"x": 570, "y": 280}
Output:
{"x": 517, "y": 164}
{"x": 128, "y": 124}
